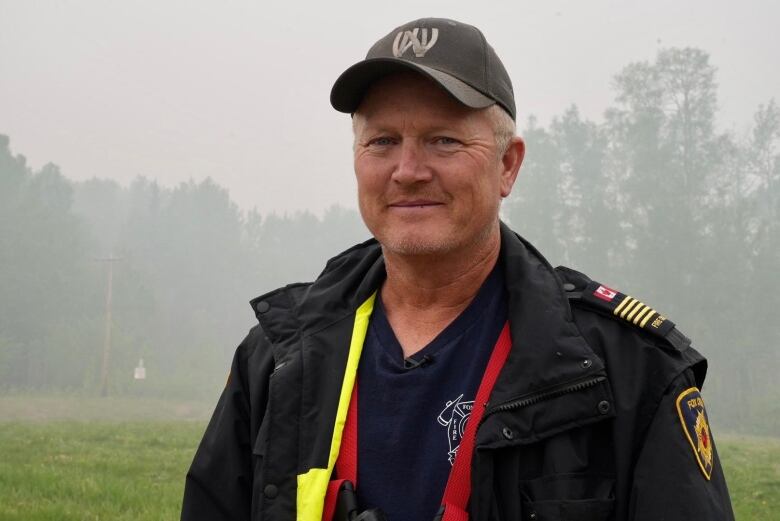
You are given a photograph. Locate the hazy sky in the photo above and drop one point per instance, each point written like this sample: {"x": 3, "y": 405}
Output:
{"x": 239, "y": 91}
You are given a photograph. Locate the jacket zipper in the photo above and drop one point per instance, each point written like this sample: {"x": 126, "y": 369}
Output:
{"x": 540, "y": 396}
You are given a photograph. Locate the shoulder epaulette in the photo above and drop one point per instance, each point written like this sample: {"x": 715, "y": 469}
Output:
{"x": 621, "y": 306}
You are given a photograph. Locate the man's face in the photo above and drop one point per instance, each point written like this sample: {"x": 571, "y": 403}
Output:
{"x": 430, "y": 178}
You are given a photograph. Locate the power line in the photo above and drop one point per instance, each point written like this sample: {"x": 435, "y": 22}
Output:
{"x": 107, "y": 337}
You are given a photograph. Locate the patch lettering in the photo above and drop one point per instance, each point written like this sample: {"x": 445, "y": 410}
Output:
{"x": 696, "y": 426}
{"x": 658, "y": 322}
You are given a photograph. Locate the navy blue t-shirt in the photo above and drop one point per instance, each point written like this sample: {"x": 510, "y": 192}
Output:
{"x": 411, "y": 417}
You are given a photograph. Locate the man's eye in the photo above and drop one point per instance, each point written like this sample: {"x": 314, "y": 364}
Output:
{"x": 445, "y": 140}
{"x": 381, "y": 141}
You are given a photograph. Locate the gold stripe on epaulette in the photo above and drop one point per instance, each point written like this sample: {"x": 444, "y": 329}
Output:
{"x": 637, "y": 308}
{"x": 622, "y": 303}
{"x": 628, "y": 308}
{"x": 634, "y": 311}
{"x": 644, "y": 312}
{"x": 648, "y": 317}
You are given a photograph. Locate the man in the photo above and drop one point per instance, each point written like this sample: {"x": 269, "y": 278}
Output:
{"x": 444, "y": 369}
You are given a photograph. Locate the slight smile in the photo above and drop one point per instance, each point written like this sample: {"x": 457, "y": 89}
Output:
{"x": 417, "y": 203}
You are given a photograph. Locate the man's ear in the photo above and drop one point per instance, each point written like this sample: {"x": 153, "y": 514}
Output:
{"x": 510, "y": 164}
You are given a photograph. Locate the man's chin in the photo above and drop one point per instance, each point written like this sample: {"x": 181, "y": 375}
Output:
{"x": 420, "y": 241}
{"x": 418, "y": 246}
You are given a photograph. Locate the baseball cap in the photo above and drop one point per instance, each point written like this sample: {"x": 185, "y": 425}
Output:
{"x": 453, "y": 54}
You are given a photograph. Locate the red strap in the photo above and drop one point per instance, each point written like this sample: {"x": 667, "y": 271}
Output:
{"x": 331, "y": 497}
{"x": 346, "y": 464}
{"x": 458, "y": 489}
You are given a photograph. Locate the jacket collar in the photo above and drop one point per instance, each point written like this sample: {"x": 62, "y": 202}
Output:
{"x": 304, "y": 308}
{"x": 547, "y": 346}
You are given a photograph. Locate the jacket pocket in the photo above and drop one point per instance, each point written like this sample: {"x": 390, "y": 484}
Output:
{"x": 569, "y": 497}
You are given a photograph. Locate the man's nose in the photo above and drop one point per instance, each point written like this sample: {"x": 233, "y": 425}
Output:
{"x": 411, "y": 167}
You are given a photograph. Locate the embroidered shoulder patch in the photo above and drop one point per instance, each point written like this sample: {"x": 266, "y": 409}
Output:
{"x": 696, "y": 426}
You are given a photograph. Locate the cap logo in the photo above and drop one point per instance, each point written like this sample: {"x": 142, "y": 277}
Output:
{"x": 406, "y": 39}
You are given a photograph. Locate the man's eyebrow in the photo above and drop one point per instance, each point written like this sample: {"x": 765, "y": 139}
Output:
{"x": 367, "y": 128}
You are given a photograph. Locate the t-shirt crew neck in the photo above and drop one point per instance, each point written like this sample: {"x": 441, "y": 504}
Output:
{"x": 412, "y": 413}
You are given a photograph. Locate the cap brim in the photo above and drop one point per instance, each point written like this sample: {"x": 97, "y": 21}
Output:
{"x": 351, "y": 86}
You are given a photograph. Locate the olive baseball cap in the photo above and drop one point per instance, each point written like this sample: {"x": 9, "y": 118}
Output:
{"x": 453, "y": 54}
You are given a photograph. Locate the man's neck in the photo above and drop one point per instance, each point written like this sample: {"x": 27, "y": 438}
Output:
{"x": 425, "y": 293}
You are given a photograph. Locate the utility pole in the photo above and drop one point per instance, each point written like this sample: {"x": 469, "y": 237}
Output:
{"x": 107, "y": 337}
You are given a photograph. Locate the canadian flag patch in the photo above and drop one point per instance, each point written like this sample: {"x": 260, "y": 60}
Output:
{"x": 605, "y": 293}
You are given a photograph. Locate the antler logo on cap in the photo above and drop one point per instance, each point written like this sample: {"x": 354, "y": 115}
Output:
{"x": 406, "y": 39}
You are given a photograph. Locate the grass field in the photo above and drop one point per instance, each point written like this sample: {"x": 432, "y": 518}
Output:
{"x": 102, "y": 468}
{"x": 752, "y": 467}
{"x": 94, "y": 471}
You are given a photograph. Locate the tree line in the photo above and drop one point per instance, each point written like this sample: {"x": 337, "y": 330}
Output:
{"x": 659, "y": 203}
{"x": 653, "y": 200}
{"x": 187, "y": 263}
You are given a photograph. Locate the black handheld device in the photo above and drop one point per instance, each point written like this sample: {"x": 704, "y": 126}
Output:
{"x": 347, "y": 507}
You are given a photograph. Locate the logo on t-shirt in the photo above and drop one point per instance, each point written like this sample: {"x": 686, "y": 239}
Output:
{"x": 454, "y": 417}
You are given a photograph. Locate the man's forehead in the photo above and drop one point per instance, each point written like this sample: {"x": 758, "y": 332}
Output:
{"x": 400, "y": 95}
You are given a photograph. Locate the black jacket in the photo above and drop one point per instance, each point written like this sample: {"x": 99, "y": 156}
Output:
{"x": 582, "y": 423}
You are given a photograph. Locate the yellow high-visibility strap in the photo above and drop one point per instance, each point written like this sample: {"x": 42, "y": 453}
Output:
{"x": 313, "y": 485}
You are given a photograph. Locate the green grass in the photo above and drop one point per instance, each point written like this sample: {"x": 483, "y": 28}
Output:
{"x": 101, "y": 468}
{"x": 752, "y": 468}
{"x": 94, "y": 471}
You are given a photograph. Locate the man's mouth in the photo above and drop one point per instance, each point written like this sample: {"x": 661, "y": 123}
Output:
{"x": 415, "y": 203}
